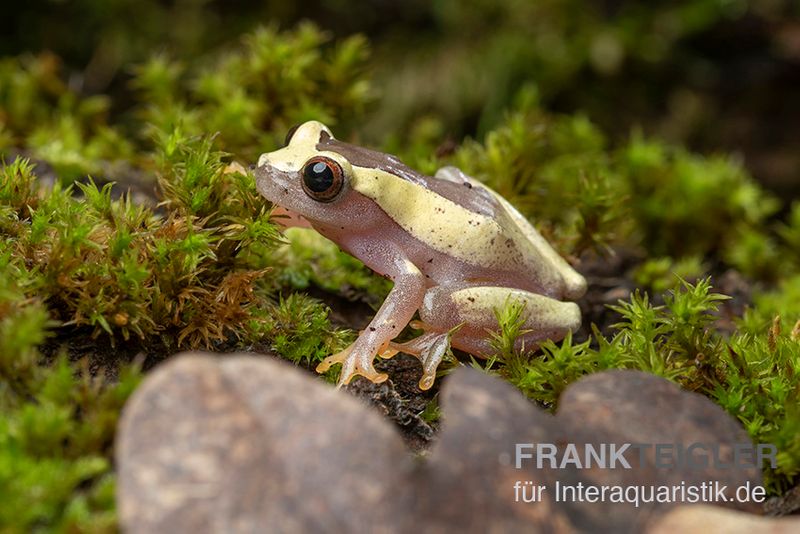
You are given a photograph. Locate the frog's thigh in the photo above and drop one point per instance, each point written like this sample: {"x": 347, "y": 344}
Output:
{"x": 445, "y": 307}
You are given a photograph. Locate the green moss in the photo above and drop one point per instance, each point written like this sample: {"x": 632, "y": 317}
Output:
{"x": 122, "y": 270}
{"x": 56, "y": 431}
{"x": 301, "y": 331}
{"x": 678, "y": 194}
{"x": 661, "y": 274}
{"x": 55, "y": 450}
{"x": 41, "y": 112}
{"x": 253, "y": 94}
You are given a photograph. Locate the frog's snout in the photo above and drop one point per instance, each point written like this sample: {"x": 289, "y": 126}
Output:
{"x": 272, "y": 184}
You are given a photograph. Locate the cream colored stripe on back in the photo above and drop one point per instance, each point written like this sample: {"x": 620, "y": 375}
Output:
{"x": 437, "y": 221}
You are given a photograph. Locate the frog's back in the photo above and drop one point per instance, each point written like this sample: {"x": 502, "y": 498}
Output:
{"x": 463, "y": 193}
{"x": 461, "y": 217}
{"x": 536, "y": 248}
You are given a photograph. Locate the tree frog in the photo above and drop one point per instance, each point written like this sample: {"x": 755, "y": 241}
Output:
{"x": 455, "y": 250}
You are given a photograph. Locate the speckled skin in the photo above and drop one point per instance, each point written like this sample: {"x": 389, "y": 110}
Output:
{"x": 455, "y": 250}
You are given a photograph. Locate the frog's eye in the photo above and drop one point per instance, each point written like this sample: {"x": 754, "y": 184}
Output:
{"x": 323, "y": 178}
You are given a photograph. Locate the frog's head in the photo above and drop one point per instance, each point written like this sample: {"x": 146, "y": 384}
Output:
{"x": 304, "y": 180}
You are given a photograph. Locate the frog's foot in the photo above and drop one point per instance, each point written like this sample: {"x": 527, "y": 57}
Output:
{"x": 354, "y": 362}
{"x": 389, "y": 349}
{"x": 430, "y": 348}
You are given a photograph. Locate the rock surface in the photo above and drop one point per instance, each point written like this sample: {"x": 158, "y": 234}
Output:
{"x": 240, "y": 443}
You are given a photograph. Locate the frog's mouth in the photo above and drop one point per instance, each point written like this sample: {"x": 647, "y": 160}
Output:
{"x": 287, "y": 218}
{"x": 270, "y": 184}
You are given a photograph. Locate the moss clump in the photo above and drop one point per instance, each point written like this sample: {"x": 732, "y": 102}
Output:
{"x": 58, "y": 423}
{"x": 252, "y": 95}
{"x": 39, "y": 111}
{"x": 116, "y": 267}
{"x": 300, "y": 330}
{"x": 197, "y": 270}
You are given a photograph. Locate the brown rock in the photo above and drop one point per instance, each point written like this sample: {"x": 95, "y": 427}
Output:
{"x": 638, "y": 408}
{"x": 242, "y": 444}
{"x": 468, "y": 481}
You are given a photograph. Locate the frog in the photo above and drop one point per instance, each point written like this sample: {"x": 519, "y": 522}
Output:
{"x": 455, "y": 250}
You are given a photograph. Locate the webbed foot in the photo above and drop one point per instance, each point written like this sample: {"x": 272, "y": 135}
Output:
{"x": 430, "y": 349}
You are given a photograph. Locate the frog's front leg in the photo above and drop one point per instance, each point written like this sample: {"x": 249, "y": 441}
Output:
{"x": 397, "y": 310}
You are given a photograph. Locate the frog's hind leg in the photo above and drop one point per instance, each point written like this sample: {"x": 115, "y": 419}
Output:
{"x": 429, "y": 348}
{"x": 464, "y": 316}
{"x": 445, "y": 307}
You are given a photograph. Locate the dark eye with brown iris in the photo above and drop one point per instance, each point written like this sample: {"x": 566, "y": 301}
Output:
{"x": 323, "y": 178}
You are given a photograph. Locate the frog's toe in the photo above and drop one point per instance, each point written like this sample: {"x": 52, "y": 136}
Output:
{"x": 387, "y": 350}
{"x": 367, "y": 372}
{"x": 431, "y": 356}
{"x": 433, "y": 350}
{"x": 333, "y": 359}
{"x": 353, "y": 365}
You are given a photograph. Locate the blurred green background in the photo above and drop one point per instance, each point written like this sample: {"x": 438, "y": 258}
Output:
{"x": 715, "y": 75}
